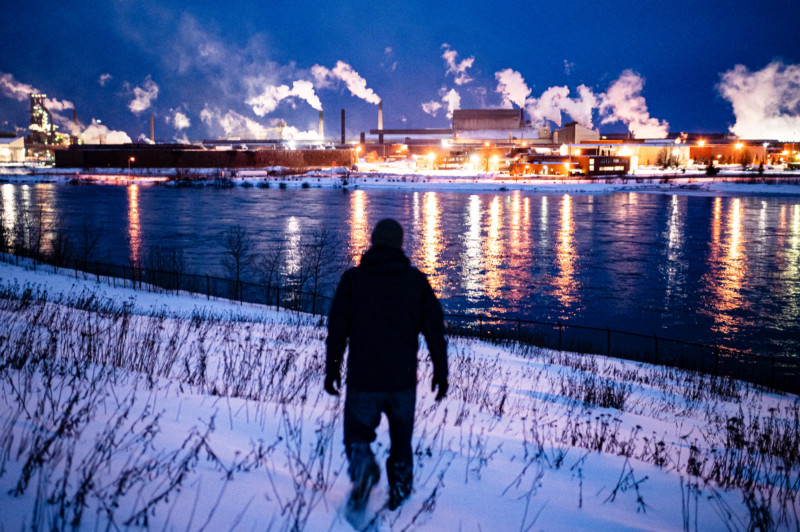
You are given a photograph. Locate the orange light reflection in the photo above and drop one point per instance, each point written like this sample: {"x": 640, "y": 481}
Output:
{"x": 134, "y": 229}
{"x": 566, "y": 285}
{"x": 432, "y": 244}
{"x": 359, "y": 228}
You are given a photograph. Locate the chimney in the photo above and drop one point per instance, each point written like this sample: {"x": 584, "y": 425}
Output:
{"x": 342, "y": 126}
{"x": 380, "y": 114}
{"x": 321, "y": 127}
{"x": 152, "y": 129}
{"x": 75, "y": 116}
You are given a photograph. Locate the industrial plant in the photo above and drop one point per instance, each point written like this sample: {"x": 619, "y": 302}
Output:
{"x": 486, "y": 141}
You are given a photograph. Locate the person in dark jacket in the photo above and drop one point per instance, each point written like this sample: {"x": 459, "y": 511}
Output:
{"x": 381, "y": 306}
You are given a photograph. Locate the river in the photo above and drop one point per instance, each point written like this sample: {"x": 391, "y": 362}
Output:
{"x": 713, "y": 269}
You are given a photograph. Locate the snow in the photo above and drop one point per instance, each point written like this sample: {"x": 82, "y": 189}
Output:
{"x": 191, "y": 414}
{"x": 404, "y": 175}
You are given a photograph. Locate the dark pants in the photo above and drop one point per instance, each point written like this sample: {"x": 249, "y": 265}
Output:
{"x": 362, "y": 415}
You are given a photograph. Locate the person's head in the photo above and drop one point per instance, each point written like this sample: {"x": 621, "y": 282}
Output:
{"x": 389, "y": 233}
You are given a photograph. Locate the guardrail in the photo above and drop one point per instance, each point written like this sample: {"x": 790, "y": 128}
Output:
{"x": 778, "y": 373}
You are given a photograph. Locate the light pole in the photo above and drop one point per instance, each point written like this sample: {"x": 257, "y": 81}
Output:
{"x": 130, "y": 160}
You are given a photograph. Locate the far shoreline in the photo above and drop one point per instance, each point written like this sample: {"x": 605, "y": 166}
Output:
{"x": 374, "y": 177}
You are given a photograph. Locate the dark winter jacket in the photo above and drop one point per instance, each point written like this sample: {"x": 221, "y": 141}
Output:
{"x": 381, "y": 306}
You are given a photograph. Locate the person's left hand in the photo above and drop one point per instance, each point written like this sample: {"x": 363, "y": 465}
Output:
{"x": 333, "y": 384}
{"x": 441, "y": 383}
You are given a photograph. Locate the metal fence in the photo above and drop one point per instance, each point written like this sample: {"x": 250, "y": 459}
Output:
{"x": 779, "y": 373}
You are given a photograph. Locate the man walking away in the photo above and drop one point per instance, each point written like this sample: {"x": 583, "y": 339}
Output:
{"x": 381, "y": 306}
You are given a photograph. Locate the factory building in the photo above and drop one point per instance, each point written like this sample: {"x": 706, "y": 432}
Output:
{"x": 12, "y": 150}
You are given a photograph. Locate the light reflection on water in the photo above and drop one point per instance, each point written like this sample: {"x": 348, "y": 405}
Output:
{"x": 360, "y": 230}
{"x": 566, "y": 285}
{"x": 718, "y": 269}
{"x": 134, "y": 228}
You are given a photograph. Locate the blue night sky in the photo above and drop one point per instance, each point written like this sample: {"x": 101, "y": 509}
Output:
{"x": 217, "y": 56}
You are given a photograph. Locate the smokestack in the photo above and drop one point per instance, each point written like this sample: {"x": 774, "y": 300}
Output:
{"x": 75, "y": 116}
{"x": 152, "y": 129}
{"x": 380, "y": 114}
{"x": 321, "y": 127}
{"x": 342, "y": 126}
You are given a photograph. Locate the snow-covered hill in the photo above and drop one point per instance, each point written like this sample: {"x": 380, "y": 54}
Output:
{"x": 134, "y": 409}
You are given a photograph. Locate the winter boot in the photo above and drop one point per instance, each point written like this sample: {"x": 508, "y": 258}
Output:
{"x": 364, "y": 474}
{"x": 400, "y": 483}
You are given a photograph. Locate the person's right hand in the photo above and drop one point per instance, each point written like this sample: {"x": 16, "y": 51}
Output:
{"x": 441, "y": 383}
{"x": 333, "y": 384}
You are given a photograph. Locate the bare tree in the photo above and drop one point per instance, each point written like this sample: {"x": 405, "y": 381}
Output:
{"x": 89, "y": 237}
{"x": 165, "y": 265}
{"x": 238, "y": 256}
{"x": 318, "y": 262}
{"x": 3, "y": 233}
{"x": 268, "y": 265}
{"x": 61, "y": 249}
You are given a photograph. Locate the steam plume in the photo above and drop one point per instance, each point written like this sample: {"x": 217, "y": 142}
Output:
{"x": 143, "y": 96}
{"x": 455, "y": 67}
{"x": 512, "y": 87}
{"x": 556, "y": 100}
{"x": 11, "y": 88}
{"x": 623, "y": 102}
{"x": 104, "y": 78}
{"x": 179, "y": 120}
{"x": 97, "y": 133}
{"x": 432, "y": 107}
{"x": 357, "y": 85}
{"x": 271, "y": 96}
{"x": 453, "y": 101}
{"x": 766, "y": 103}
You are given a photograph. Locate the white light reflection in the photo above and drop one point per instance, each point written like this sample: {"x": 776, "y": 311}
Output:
{"x": 473, "y": 256}
{"x": 674, "y": 246}
{"x": 9, "y": 210}
{"x": 292, "y": 239}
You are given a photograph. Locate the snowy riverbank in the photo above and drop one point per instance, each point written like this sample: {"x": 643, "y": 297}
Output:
{"x": 133, "y": 408}
{"x": 398, "y": 176}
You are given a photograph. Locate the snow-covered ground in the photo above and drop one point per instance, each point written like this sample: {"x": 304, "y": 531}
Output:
{"x": 131, "y": 408}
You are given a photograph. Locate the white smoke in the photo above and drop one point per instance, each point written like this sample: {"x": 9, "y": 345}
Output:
{"x": 555, "y": 101}
{"x": 580, "y": 109}
{"x": 455, "y": 67}
{"x": 624, "y": 103}
{"x": 766, "y": 103}
{"x": 292, "y": 133}
{"x": 271, "y": 96}
{"x": 97, "y": 133}
{"x": 104, "y": 78}
{"x": 178, "y": 120}
{"x": 512, "y": 87}
{"x": 432, "y": 107}
{"x": 143, "y": 96}
{"x": 11, "y": 88}
{"x": 232, "y": 123}
{"x": 357, "y": 85}
{"x": 453, "y": 101}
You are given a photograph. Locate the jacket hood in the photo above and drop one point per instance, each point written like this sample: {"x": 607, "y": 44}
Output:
{"x": 385, "y": 260}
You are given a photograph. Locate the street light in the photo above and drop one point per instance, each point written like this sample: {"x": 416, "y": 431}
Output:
{"x": 130, "y": 160}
